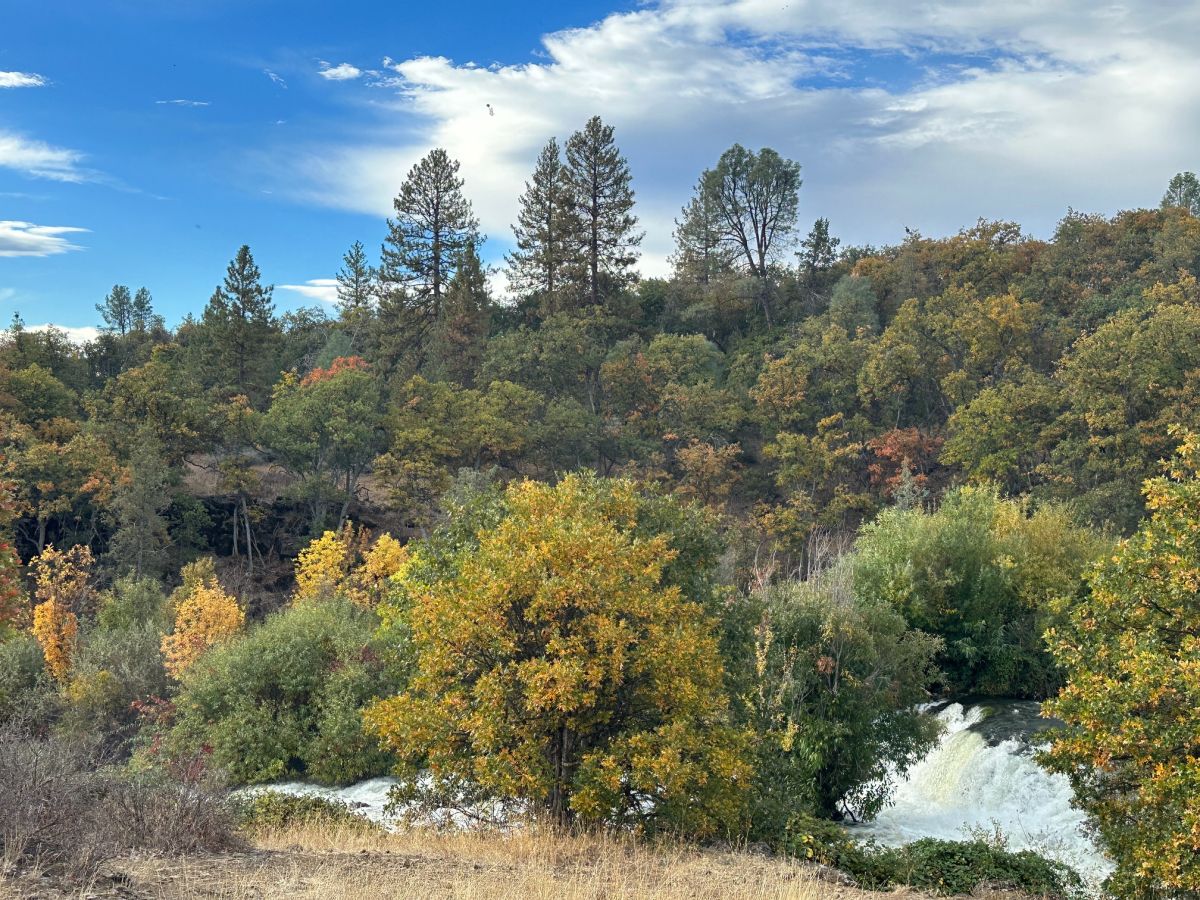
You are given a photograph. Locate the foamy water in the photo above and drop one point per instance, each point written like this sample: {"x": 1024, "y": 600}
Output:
{"x": 965, "y": 783}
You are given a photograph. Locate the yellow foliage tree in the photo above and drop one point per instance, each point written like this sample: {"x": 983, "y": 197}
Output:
{"x": 557, "y": 668}
{"x": 1131, "y": 652}
{"x": 204, "y": 615}
{"x": 63, "y": 587}
{"x": 342, "y": 564}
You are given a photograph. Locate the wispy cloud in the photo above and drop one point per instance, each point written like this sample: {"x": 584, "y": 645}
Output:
{"x": 341, "y": 72}
{"x": 940, "y": 111}
{"x": 40, "y": 160}
{"x": 323, "y": 289}
{"x": 20, "y": 79}
{"x": 275, "y": 77}
{"x": 27, "y": 239}
{"x": 183, "y": 102}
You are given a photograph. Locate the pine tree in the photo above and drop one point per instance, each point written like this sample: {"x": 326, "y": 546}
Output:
{"x": 117, "y": 310}
{"x": 434, "y": 224}
{"x": 240, "y": 317}
{"x": 139, "y": 545}
{"x": 535, "y": 268}
{"x": 142, "y": 316}
{"x": 355, "y": 291}
{"x": 603, "y": 236}
{"x": 816, "y": 259}
{"x": 456, "y": 350}
{"x": 700, "y": 253}
{"x": 1183, "y": 191}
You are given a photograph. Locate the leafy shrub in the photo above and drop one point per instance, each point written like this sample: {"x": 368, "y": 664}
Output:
{"x": 283, "y": 699}
{"x": 984, "y": 574}
{"x": 838, "y": 681}
{"x": 268, "y": 810}
{"x": 133, "y": 602}
{"x": 941, "y": 867}
{"x": 959, "y": 867}
{"x": 27, "y": 692}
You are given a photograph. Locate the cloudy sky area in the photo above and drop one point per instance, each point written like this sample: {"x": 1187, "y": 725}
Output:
{"x": 142, "y": 144}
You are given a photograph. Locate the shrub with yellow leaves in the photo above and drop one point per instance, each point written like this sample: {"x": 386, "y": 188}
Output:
{"x": 558, "y": 668}
{"x": 63, "y": 587}
{"x": 342, "y": 564}
{"x": 204, "y": 616}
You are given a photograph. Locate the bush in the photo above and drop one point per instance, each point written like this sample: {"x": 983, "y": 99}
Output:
{"x": 27, "y": 693}
{"x": 283, "y": 700}
{"x": 960, "y": 867}
{"x": 62, "y": 810}
{"x": 839, "y": 679}
{"x": 274, "y": 811}
{"x": 984, "y": 574}
{"x": 941, "y": 867}
{"x": 115, "y": 671}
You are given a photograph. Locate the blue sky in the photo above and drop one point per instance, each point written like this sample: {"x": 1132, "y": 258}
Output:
{"x": 142, "y": 142}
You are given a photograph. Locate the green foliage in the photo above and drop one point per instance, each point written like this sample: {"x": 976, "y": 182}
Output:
{"x": 1131, "y": 655}
{"x": 282, "y": 700}
{"x": 264, "y": 811}
{"x": 984, "y": 574}
{"x": 838, "y": 678}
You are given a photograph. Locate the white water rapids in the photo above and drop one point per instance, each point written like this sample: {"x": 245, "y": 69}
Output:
{"x": 967, "y": 784}
{"x": 980, "y": 776}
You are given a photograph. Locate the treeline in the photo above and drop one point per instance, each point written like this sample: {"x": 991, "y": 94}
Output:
{"x": 678, "y": 554}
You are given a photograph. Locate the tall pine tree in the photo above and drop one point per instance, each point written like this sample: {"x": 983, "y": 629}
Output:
{"x": 603, "y": 227}
{"x": 356, "y": 293}
{"x": 117, "y": 310}
{"x": 700, "y": 254}
{"x": 456, "y": 350}
{"x": 434, "y": 225}
{"x": 240, "y": 319}
{"x": 535, "y": 268}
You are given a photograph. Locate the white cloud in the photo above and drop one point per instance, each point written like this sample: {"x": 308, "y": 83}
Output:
{"x": 27, "y": 239}
{"x": 184, "y": 102}
{"x": 275, "y": 77}
{"x": 39, "y": 159}
{"x": 7, "y": 294}
{"x": 74, "y": 335}
{"x": 323, "y": 289}
{"x": 340, "y": 72}
{"x": 20, "y": 79}
{"x": 926, "y": 114}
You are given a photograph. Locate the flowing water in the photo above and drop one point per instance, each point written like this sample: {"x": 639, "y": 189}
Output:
{"x": 982, "y": 776}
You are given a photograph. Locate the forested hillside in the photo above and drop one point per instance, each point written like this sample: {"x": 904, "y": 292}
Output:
{"x": 696, "y": 538}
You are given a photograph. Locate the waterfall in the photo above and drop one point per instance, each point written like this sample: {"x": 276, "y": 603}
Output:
{"x": 969, "y": 783}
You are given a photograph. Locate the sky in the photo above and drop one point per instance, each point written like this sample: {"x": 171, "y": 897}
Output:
{"x": 143, "y": 141}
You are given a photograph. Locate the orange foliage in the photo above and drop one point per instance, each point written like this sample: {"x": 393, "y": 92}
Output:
{"x": 343, "y": 564}
{"x": 63, "y": 587}
{"x": 339, "y": 365}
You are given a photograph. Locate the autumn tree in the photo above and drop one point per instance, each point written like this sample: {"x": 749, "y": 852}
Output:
{"x": 325, "y": 429}
{"x": 559, "y": 665}
{"x": 434, "y": 225}
{"x": 65, "y": 592}
{"x": 204, "y": 616}
{"x": 347, "y": 564}
{"x": 536, "y": 268}
{"x": 13, "y": 609}
{"x": 604, "y": 237}
{"x": 1129, "y": 648}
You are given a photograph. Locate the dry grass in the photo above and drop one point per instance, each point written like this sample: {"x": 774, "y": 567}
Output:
{"x": 319, "y": 863}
